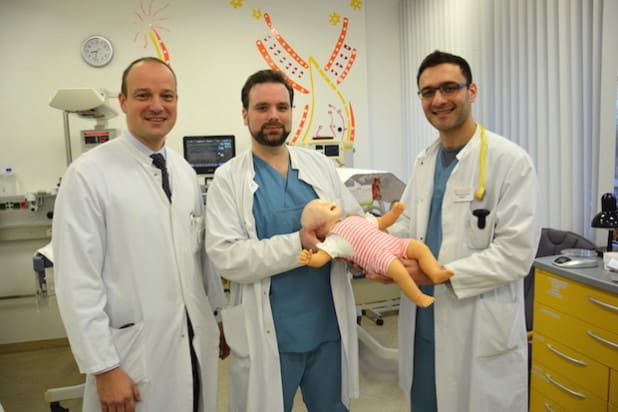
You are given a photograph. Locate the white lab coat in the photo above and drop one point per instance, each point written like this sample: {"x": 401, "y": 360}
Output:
{"x": 124, "y": 255}
{"x": 238, "y": 255}
{"x": 480, "y": 336}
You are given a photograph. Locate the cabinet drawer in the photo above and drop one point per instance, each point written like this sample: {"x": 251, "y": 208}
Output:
{"x": 584, "y": 302}
{"x": 592, "y": 341}
{"x": 613, "y": 388}
{"x": 539, "y": 403}
{"x": 563, "y": 391}
{"x": 612, "y": 408}
{"x": 582, "y": 369}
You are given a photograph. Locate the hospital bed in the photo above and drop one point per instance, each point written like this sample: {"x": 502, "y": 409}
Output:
{"x": 41, "y": 261}
{"x": 373, "y": 300}
{"x": 375, "y": 191}
{"x": 54, "y": 396}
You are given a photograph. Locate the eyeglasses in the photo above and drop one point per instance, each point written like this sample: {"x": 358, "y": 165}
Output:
{"x": 447, "y": 89}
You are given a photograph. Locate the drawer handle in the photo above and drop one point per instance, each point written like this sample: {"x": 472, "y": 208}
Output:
{"x": 603, "y": 304}
{"x": 564, "y": 388}
{"x": 600, "y": 339}
{"x": 562, "y": 355}
{"x": 548, "y": 407}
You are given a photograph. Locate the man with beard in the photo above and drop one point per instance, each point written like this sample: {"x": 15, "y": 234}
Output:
{"x": 288, "y": 325}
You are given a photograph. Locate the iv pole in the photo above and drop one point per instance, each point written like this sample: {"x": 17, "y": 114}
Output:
{"x": 67, "y": 137}
{"x": 86, "y": 103}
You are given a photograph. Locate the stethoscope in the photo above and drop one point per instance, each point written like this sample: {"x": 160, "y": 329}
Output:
{"x": 480, "y": 192}
{"x": 481, "y": 214}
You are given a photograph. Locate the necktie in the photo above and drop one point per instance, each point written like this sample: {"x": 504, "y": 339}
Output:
{"x": 159, "y": 161}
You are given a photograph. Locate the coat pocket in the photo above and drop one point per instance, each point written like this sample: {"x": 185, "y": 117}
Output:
{"x": 495, "y": 323}
{"x": 129, "y": 345}
{"x": 197, "y": 232}
{"x": 235, "y": 329}
{"x": 478, "y": 237}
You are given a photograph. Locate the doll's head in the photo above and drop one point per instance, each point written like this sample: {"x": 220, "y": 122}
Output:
{"x": 318, "y": 210}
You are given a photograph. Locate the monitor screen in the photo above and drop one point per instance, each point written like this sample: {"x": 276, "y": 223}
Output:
{"x": 206, "y": 153}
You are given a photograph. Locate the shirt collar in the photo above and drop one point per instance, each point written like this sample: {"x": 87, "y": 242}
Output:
{"x": 141, "y": 146}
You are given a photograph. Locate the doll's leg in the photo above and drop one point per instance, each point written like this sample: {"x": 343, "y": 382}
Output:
{"x": 400, "y": 275}
{"x": 428, "y": 263}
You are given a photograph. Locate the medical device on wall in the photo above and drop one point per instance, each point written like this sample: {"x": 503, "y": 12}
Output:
{"x": 206, "y": 153}
{"x": 89, "y": 104}
{"x": 92, "y": 138}
{"x": 338, "y": 150}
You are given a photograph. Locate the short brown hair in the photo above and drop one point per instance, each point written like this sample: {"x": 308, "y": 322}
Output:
{"x": 264, "y": 76}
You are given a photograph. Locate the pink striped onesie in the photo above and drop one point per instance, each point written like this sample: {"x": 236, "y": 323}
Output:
{"x": 374, "y": 250}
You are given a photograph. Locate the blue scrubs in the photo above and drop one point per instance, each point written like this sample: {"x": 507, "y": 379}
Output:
{"x": 301, "y": 299}
{"x": 423, "y": 393}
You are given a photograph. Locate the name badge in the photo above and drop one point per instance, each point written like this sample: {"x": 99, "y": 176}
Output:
{"x": 463, "y": 194}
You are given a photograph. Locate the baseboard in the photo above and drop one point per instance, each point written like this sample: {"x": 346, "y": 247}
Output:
{"x": 33, "y": 345}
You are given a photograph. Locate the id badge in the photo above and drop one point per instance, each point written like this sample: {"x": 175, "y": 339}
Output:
{"x": 463, "y": 194}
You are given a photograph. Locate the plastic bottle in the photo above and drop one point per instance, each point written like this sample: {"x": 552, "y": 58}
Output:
{"x": 9, "y": 182}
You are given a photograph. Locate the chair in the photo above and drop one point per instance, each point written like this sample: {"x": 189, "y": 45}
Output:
{"x": 551, "y": 243}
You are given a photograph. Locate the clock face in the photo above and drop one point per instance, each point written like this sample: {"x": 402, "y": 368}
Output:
{"x": 97, "y": 51}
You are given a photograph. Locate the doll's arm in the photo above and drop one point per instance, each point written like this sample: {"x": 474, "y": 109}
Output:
{"x": 316, "y": 260}
{"x": 391, "y": 216}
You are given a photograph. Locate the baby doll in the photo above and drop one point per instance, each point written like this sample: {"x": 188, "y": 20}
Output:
{"x": 361, "y": 240}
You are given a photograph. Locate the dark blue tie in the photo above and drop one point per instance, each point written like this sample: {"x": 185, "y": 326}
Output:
{"x": 159, "y": 161}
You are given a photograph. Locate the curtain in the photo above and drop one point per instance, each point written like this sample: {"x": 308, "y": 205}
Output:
{"x": 537, "y": 64}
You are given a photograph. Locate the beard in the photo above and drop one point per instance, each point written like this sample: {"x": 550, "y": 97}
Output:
{"x": 271, "y": 140}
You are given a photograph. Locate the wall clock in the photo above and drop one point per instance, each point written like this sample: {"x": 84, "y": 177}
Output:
{"x": 97, "y": 51}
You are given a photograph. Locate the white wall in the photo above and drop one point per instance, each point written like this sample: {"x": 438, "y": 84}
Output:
{"x": 212, "y": 48}
{"x": 384, "y": 84}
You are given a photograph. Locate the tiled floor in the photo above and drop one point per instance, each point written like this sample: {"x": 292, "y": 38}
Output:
{"x": 24, "y": 376}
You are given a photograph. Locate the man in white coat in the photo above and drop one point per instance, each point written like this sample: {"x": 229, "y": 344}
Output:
{"x": 288, "y": 326}
{"x": 473, "y": 200}
{"x": 134, "y": 294}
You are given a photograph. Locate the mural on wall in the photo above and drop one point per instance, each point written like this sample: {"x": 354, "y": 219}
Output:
{"x": 149, "y": 20}
{"x": 326, "y": 113}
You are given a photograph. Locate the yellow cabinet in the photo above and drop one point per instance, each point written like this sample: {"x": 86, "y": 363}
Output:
{"x": 613, "y": 389}
{"x": 582, "y": 369}
{"x": 539, "y": 402}
{"x": 564, "y": 391}
{"x": 592, "y": 305}
{"x": 575, "y": 343}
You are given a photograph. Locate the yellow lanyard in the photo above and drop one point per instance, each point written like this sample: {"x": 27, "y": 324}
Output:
{"x": 480, "y": 192}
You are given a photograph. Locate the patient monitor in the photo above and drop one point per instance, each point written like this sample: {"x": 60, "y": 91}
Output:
{"x": 342, "y": 152}
{"x": 89, "y": 104}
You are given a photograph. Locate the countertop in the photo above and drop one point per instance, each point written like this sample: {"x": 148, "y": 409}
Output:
{"x": 596, "y": 277}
